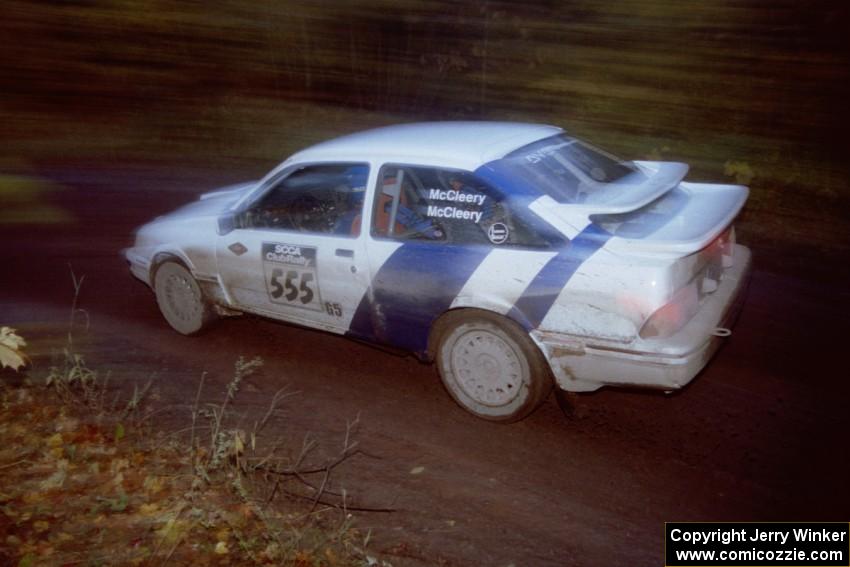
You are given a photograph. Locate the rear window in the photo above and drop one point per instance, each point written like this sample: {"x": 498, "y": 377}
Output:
{"x": 646, "y": 220}
{"x": 565, "y": 168}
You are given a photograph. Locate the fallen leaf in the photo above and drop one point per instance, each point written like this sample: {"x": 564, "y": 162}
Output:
{"x": 33, "y": 497}
{"x": 238, "y": 443}
{"x": 41, "y": 526}
{"x": 153, "y": 484}
{"x": 10, "y": 353}
{"x": 172, "y": 531}
{"x": 118, "y": 504}
{"x": 245, "y": 512}
{"x": 118, "y": 465}
{"x": 271, "y": 552}
{"x": 65, "y": 423}
{"x": 57, "y": 479}
{"x": 149, "y": 509}
{"x": 417, "y": 470}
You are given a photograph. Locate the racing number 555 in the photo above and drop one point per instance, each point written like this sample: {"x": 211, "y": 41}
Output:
{"x": 288, "y": 289}
{"x": 291, "y": 275}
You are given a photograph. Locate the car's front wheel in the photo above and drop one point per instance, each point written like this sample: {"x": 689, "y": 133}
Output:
{"x": 180, "y": 299}
{"x": 491, "y": 367}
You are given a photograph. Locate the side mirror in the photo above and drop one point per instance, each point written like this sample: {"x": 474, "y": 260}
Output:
{"x": 227, "y": 223}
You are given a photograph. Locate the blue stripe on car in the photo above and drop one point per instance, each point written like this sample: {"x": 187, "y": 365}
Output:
{"x": 416, "y": 284}
{"x": 492, "y": 173}
{"x": 537, "y": 299}
{"x": 534, "y": 303}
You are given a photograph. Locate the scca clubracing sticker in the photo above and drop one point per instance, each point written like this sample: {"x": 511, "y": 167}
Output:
{"x": 291, "y": 275}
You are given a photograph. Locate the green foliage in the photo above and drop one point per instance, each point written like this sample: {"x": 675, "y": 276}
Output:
{"x": 26, "y": 200}
{"x": 740, "y": 170}
{"x": 245, "y": 84}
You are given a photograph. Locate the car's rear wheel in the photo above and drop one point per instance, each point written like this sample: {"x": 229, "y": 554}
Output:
{"x": 491, "y": 367}
{"x": 180, "y": 299}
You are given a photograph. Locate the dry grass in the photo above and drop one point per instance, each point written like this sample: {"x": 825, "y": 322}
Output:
{"x": 88, "y": 480}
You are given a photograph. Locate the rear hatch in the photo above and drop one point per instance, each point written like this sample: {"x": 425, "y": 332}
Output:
{"x": 687, "y": 226}
{"x": 692, "y": 226}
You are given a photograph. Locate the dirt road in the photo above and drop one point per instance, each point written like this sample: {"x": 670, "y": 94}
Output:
{"x": 760, "y": 435}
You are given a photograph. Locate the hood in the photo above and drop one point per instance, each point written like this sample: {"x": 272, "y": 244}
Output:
{"x": 213, "y": 203}
{"x": 230, "y": 193}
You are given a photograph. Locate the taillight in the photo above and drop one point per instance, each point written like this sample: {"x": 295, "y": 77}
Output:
{"x": 672, "y": 316}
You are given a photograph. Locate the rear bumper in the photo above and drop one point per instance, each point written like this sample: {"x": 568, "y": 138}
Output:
{"x": 669, "y": 363}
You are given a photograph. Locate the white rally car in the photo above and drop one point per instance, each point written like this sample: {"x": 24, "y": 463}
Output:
{"x": 512, "y": 254}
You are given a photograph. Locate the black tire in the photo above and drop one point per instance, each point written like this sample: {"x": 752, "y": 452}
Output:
{"x": 180, "y": 298}
{"x": 490, "y": 366}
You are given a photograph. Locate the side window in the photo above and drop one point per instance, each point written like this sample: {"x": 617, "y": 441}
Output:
{"x": 422, "y": 203}
{"x": 321, "y": 199}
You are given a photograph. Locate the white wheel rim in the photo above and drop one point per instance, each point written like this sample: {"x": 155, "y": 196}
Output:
{"x": 180, "y": 299}
{"x": 486, "y": 368}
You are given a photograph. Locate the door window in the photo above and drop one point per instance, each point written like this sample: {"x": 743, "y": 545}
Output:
{"x": 451, "y": 206}
{"x": 316, "y": 199}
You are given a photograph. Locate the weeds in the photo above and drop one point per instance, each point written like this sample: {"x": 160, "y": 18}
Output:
{"x": 232, "y": 457}
{"x": 82, "y": 474}
{"x": 223, "y": 443}
{"x": 75, "y": 383}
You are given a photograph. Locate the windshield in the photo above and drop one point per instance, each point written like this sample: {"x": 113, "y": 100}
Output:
{"x": 568, "y": 170}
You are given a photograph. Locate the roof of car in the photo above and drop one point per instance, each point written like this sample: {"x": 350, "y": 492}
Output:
{"x": 465, "y": 145}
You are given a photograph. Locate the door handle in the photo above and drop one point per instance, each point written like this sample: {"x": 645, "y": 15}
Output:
{"x": 345, "y": 253}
